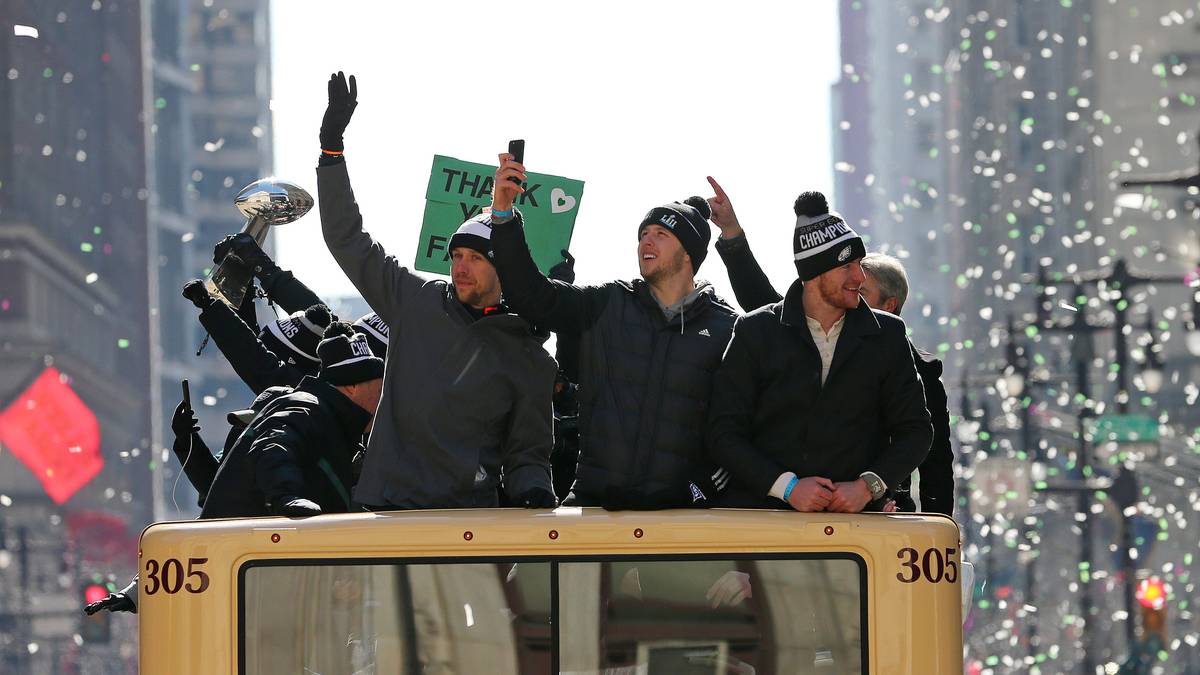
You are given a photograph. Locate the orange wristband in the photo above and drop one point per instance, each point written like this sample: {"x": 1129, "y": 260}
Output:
{"x": 333, "y": 152}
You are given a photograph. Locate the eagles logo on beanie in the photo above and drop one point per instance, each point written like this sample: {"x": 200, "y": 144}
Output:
{"x": 294, "y": 338}
{"x": 376, "y": 330}
{"x": 688, "y": 221}
{"x": 346, "y": 356}
{"x": 475, "y": 234}
{"x": 822, "y": 240}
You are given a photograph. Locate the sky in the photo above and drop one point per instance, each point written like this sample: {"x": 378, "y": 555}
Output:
{"x": 641, "y": 101}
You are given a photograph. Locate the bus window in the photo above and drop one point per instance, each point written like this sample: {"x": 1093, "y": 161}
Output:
{"x": 712, "y": 616}
{"x": 302, "y": 617}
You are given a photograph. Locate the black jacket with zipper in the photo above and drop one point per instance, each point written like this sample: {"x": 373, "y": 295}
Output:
{"x": 645, "y": 382}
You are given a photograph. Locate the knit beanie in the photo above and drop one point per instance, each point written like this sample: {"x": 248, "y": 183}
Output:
{"x": 822, "y": 240}
{"x": 688, "y": 221}
{"x": 346, "y": 356}
{"x": 294, "y": 338}
{"x": 376, "y": 330}
{"x": 475, "y": 234}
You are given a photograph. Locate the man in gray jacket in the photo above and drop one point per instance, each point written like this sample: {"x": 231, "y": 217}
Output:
{"x": 467, "y": 385}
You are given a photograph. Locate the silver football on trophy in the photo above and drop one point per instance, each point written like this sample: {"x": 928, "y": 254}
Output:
{"x": 265, "y": 202}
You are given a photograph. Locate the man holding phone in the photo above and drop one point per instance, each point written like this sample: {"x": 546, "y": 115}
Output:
{"x": 647, "y": 352}
{"x": 466, "y": 395}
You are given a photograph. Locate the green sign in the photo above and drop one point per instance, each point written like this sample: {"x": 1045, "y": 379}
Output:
{"x": 1125, "y": 429}
{"x": 459, "y": 190}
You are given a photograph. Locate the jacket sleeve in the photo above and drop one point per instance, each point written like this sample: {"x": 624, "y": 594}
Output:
{"x": 275, "y": 455}
{"x": 285, "y": 290}
{"x": 197, "y": 462}
{"x": 750, "y": 284}
{"x": 548, "y": 303}
{"x": 731, "y": 415}
{"x": 383, "y": 282}
{"x": 256, "y": 365}
{"x": 905, "y": 417}
{"x": 937, "y": 471}
{"x": 530, "y": 437}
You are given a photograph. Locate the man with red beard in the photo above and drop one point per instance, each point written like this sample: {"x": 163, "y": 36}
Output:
{"x": 817, "y": 404}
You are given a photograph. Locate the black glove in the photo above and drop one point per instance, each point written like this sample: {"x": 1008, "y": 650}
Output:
{"x": 184, "y": 422}
{"x": 342, "y": 101}
{"x": 538, "y": 498}
{"x": 294, "y": 506}
{"x": 115, "y": 602}
{"x": 565, "y": 270}
{"x": 195, "y": 291}
{"x": 248, "y": 252}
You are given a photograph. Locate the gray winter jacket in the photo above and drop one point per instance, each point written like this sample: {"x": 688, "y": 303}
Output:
{"x": 463, "y": 399}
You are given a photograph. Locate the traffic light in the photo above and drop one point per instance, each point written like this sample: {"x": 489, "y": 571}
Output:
{"x": 1152, "y": 595}
{"x": 95, "y": 629}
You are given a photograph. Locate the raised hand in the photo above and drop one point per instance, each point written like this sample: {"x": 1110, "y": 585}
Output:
{"x": 722, "y": 212}
{"x": 505, "y": 191}
{"x": 343, "y": 98}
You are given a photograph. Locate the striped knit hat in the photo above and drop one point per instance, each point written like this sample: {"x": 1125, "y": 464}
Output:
{"x": 294, "y": 338}
{"x": 376, "y": 330}
{"x": 475, "y": 234}
{"x": 822, "y": 240}
{"x": 346, "y": 356}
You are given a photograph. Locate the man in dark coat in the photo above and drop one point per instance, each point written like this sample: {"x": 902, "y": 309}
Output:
{"x": 647, "y": 352}
{"x": 295, "y": 457}
{"x": 885, "y": 286}
{"x": 466, "y": 398}
{"x": 817, "y": 403}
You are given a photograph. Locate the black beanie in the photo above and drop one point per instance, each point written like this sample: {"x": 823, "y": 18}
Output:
{"x": 688, "y": 221}
{"x": 376, "y": 330}
{"x": 346, "y": 356}
{"x": 294, "y": 338}
{"x": 822, "y": 240}
{"x": 475, "y": 234}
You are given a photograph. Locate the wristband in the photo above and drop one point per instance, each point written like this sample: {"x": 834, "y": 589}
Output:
{"x": 502, "y": 214}
{"x": 787, "y": 491}
{"x": 332, "y": 152}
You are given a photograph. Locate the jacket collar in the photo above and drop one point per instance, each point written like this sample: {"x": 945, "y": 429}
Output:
{"x": 351, "y": 418}
{"x": 694, "y": 304}
{"x": 860, "y": 323}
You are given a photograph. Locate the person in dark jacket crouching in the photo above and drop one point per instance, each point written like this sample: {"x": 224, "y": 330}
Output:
{"x": 817, "y": 403}
{"x": 466, "y": 398}
{"x": 295, "y": 457}
{"x": 647, "y": 352}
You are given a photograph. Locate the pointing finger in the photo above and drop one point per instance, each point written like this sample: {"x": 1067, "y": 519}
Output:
{"x": 717, "y": 188}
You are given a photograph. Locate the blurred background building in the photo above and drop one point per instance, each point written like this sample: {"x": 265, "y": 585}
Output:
{"x": 127, "y": 128}
{"x": 984, "y": 144}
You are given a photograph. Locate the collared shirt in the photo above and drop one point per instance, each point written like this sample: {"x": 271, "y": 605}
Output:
{"x": 826, "y": 342}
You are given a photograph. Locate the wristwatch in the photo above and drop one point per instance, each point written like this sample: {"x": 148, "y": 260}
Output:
{"x": 874, "y": 483}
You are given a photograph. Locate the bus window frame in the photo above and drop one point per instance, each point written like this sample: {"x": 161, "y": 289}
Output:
{"x": 554, "y": 560}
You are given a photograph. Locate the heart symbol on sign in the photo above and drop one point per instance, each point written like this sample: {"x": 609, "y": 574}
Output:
{"x": 560, "y": 201}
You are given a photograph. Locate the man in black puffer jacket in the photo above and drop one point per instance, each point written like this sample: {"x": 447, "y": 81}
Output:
{"x": 295, "y": 458}
{"x": 647, "y": 353}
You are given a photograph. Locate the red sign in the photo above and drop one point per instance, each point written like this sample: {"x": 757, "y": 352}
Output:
{"x": 54, "y": 434}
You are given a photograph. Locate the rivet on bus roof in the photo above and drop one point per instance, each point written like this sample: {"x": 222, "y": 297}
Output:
{"x": 275, "y": 538}
{"x": 139, "y": 552}
{"x": 828, "y": 529}
{"x": 554, "y": 534}
{"x": 638, "y": 533}
{"x": 468, "y": 535}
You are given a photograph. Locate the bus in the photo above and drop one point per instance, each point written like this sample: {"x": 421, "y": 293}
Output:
{"x": 576, "y": 591}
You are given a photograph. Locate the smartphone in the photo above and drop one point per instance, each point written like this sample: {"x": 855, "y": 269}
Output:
{"x": 187, "y": 396}
{"x": 517, "y": 150}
